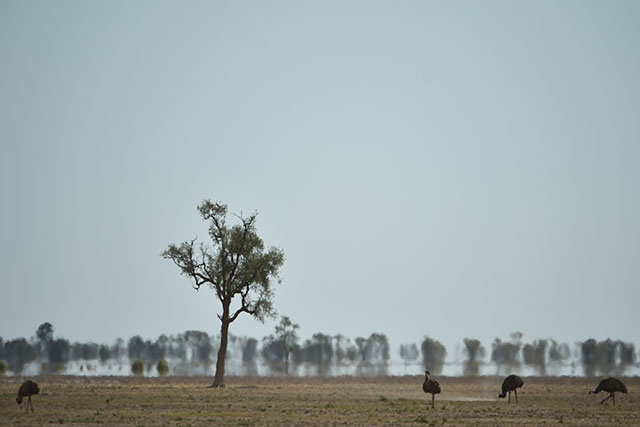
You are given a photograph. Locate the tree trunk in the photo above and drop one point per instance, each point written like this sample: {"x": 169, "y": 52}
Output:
{"x": 218, "y": 381}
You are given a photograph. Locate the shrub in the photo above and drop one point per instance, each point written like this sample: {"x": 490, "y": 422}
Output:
{"x": 137, "y": 367}
{"x": 162, "y": 367}
{"x": 3, "y": 367}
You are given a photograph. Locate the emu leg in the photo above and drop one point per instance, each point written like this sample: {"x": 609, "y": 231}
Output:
{"x": 516, "y": 392}
{"x": 607, "y": 398}
{"x": 433, "y": 398}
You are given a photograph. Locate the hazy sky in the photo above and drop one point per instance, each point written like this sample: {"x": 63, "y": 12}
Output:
{"x": 448, "y": 169}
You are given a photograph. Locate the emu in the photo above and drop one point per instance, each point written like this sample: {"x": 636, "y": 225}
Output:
{"x": 27, "y": 389}
{"x": 511, "y": 384}
{"x": 430, "y": 386}
{"x": 611, "y": 386}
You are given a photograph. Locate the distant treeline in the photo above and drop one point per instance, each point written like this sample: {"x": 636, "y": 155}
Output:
{"x": 194, "y": 352}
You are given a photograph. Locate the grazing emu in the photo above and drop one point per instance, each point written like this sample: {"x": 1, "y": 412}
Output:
{"x": 27, "y": 389}
{"x": 430, "y": 386}
{"x": 511, "y": 384}
{"x": 611, "y": 386}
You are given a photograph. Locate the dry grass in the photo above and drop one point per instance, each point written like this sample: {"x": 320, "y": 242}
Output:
{"x": 82, "y": 401}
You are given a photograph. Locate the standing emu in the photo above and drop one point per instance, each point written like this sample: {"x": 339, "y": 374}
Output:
{"x": 511, "y": 384}
{"x": 27, "y": 389}
{"x": 611, "y": 386}
{"x": 430, "y": 386}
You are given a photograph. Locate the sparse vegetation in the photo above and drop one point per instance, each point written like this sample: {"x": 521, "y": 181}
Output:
{"x": 349, "y": 401}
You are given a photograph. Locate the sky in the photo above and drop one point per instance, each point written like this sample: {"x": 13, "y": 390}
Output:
{"x": 447, "y": 169}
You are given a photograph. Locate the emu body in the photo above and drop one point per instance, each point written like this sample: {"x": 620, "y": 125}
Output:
{"x": 511, "y": 384}
{"x": 27, "y": 389}
{"x": 430, "y": 386}
{"x": 611, "y": 386}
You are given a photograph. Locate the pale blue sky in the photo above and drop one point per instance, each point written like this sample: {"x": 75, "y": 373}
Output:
{"x": 449, "y": 168}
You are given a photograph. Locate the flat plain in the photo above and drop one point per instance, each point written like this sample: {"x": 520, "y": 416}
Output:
{"x": 315, "y": 401}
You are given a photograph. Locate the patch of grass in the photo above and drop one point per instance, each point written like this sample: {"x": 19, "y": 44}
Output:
{"x": 421, "y": 419}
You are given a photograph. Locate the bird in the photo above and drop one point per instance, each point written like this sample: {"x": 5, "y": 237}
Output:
{"x": 27, "y": 389}
{"x": 611, "y": 386}
{"x": 511, "y": 384}
{"x": 430, "y": 386}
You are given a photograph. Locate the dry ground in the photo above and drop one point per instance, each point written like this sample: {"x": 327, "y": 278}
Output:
{"x": 83, "y": 401}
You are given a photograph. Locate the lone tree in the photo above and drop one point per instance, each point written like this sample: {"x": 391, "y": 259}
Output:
{"x": 236, "y": 266}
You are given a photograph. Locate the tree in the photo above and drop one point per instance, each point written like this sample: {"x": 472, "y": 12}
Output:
{"x": 236, "y": 266}
{"x": 286, "y": 334}
{"x": 475, "y": 353}
{"x": 434, "y": 354}
{"x": 409, "y": 353}
{"x": 44, "y": 336}
{"x": 505, "y": 354}
{"x": 536, "y": 355}
{"x": 18, "y": 353}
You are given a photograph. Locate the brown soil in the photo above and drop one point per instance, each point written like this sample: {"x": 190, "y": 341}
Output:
{"x": 348, "y": 401}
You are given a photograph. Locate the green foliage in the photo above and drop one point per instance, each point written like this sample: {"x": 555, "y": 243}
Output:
{"x": 236, "y": 265}
{"x": 3, "y": 367}
{"x": 137, "y": 367}
{"x": 162, "y": 368}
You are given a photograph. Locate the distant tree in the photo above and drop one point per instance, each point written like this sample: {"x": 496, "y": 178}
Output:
{"x": 84, "y": 351}
{"x": 409, "y": 353}
{"x": 361, "y": 344}
{"x": 104, "y": 353}
{"x": 137, "y": 367}
{"x": 3, "y": 367}
{"x": 286, "y": 334}
{"x": 136, "y": 348}
{"x": 475, "y": 353}
{"x": 18, "y": 353}
{"x": 433, "y": 355}
{"x": 44, "y": 335}
{"x": 344, "y": 351}
{"x": 505, "y": 354}
{"x": 249, "y": 350}
{"x": 118, "y": 350}
{"x": 589, "y": 359}
{"x": 627, "y": 352}
{"x": 607, "y": 357}
{"x": 236, "y": 267}
{"x": 536, "y": 355}
{"x": 249, "y": 353}
{"x": 377, "y": 349}
{"x": 559, "y": 352}
{"x": 59, "y": 354}
{"x": 200, "y": 344}
{"x": 318, "y": 351}
{"x": 279, "y": 347}
{"x": 162, "y": 367}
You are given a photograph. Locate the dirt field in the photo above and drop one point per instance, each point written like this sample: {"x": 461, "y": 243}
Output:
{"x": 83, "y": 401}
